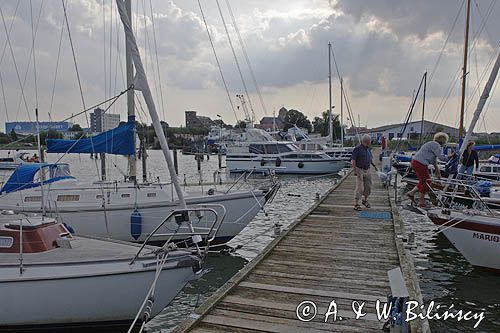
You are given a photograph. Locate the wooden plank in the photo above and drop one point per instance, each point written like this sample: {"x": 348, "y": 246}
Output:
{"x": 277, "y": 324}
{"x": 288, "y": 310}
{"x": 277, "y": 263}
{"x": 305, "y": 248}
{"x": 320, "y": 257}
{"x": 274, "y": 296}
{"x": 308, "y": 291}
{"x": 318, "y": 279}
{"x": 333, "y": 285}
{"x": 334, "y": 260}
{"x": 308, "y": 266}
{"x": 325, "y": 241}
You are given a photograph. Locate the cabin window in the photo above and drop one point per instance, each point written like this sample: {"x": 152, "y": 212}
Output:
{"x": 151, "y": 195}
{"x": 496, "y": 169}
{"x": 68, "y": 197}
{"x": 256, "y": 149}
{"x": 126, "y": 195}
{"x": 272, "y": 149}
{"x": 283, "y": 148}
{"x": 6, "y": 242}
{"x": 99, "y": 196}
{"x": 485, "y": 169}
{"x": 36, "y": 198}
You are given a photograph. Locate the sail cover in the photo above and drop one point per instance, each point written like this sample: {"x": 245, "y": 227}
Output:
{"x": 25, "y": 176}
{"x": 118, "y": 141}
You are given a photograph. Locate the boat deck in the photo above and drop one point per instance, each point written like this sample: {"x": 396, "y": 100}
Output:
{"x": 84, "y": 249}
{"x": 331, "y": 253}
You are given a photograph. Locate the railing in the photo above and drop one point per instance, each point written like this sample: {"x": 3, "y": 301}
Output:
{"x": 445, "y": 197}
{"x": 181, "y": 216}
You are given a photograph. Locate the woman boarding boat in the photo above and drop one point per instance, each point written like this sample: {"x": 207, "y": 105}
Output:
{"x": 428, "y": 154}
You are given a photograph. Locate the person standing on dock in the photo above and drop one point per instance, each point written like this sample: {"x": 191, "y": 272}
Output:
{"x": 428, "y": 154}
{"x": 361, "y": 160}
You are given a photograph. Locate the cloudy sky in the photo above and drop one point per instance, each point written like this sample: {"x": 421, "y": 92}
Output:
{"x": 382, "y": 48}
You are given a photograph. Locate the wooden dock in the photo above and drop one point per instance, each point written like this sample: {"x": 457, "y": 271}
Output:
{"x": 331, "y": 252}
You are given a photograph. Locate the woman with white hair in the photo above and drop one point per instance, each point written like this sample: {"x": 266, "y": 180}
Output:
{"x": 428, "y": 154}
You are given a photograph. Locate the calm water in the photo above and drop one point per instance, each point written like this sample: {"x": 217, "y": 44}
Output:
{"x": 445, "y": 276}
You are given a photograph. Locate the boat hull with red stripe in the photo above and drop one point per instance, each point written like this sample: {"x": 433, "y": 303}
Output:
{"x": 477, "y": 237}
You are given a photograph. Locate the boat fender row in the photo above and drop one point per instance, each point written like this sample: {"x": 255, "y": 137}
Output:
{"x": 301, "y": 165}
{"x": 278, "y": 162}
{"x": 136, "y": 224}
{"x": 262, "y": 162}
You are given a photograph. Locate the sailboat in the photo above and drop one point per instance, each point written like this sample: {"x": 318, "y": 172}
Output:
{"x": 56, "y": 280}
{"x": 476, "y": 234}
{"x": 130, "y": 210}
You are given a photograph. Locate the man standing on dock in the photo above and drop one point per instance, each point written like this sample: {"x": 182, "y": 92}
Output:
{"x": 361, "y": 160}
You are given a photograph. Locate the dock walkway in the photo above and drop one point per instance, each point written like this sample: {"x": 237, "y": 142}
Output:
{"x": 330, "y": 253}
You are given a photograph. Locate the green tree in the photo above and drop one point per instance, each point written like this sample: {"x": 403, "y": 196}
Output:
{"x": 50, "y": 134}
{"x": 297, "y": 118}
{"x": 326, "y": 127}
{"x": 241, "y": 124}
{"x": 4, "y": 138}
{"x": 318, "y": 125}
{"x": 13, "y": 135}
{"x": 76, "y": 128}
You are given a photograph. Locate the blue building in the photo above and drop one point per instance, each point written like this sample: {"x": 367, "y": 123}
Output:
{"x": 30, "y": 127}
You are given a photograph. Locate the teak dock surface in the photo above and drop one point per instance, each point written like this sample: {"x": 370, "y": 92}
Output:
{"x": 329, "y": 253}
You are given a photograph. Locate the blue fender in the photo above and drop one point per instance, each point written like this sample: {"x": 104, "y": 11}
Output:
{"x": 136, "y": 224}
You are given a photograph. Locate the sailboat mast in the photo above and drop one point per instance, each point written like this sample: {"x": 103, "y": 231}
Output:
{"x": 342, "y": 112}
{"x": 481, "y": 103}
{"x": 423, "y": 111}
{"x": 132, "y": 165}
{"x": 141, "y": 83}
{"x": 330, "y": 117}
{"x": 464, "y": 73}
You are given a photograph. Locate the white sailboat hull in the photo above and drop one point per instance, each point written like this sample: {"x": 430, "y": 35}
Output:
{"x": 87, "y": 216}
{"x": 476, "y": 237}
{"x": 110, "y": 297}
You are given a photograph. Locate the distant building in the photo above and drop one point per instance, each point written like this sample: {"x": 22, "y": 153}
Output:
{"x": 269, "y": 123}
{"x": 102, "y": 122}
{"x": 412, "y": 130}
{"x": 30, "y": 127}
{"x": 353, "y": 131}
{"x": 195, "y": 121}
